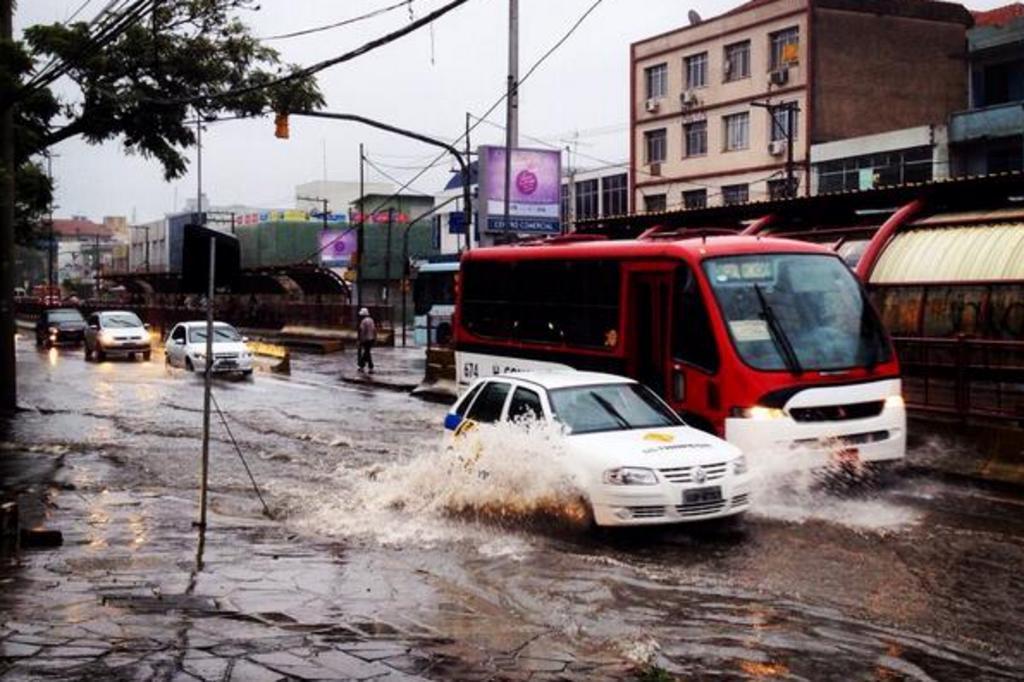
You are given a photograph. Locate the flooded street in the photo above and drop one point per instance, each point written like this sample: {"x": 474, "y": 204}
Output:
{"x": 379, "y": 562}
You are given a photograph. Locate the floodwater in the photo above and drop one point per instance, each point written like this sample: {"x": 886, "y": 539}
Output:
{"x": 914, "y": 579}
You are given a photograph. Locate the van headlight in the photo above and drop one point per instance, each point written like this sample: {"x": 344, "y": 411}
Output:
{"x": 739, "y": 465}
{"x": 630, "y": 476}
{"x": 758, "y": 412}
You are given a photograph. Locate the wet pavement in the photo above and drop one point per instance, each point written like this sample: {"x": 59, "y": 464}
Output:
{"x": 379, "y": 564}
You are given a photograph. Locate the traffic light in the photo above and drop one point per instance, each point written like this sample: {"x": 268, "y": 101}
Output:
{"x": 281, "y": 126}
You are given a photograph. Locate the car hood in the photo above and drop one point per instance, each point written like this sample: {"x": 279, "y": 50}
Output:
{"x": 126, "y": 331}
{"x": 68, "y": 326}
{"x": 657, "y": 448}
{"x": 218, "y": 347}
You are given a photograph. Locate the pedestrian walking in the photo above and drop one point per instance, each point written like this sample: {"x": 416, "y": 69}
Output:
{"x": 367, "y": 335}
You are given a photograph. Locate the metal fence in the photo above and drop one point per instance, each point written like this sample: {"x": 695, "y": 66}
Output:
{"x": 963, "y": 377}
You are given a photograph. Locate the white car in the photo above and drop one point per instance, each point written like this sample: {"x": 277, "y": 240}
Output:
{"x": 635, "y": 460}
{"x": 186, "y": 347}
{"x": 116, "y": 332}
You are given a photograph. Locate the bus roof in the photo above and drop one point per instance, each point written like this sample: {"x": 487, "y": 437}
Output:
{"x": 693, "y": 247}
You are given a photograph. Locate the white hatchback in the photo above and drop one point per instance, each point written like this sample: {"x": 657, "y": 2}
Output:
{"x": 186, "y": 347}
{"x": 632, "y": 456}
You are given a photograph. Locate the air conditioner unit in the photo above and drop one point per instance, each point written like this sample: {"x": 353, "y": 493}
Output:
{"x": 655, "y": 169}
{"x": 727, "y": 68}
{"x": 652, "y": 106}
{"x": 777, "y": 147}
{"x": 779, "y": 76}
{"x": 688, "y": 99}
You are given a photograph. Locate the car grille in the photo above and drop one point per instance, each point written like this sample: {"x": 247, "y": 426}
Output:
{"x": 740, "y": 500}
{"x": 685, "y": 474}
{"x": 646, "y": 512}
{"x": 127, "y": 338}
{"x": 226, "y": 356}
{"x": 852, "y": 439}
{"x": 700, "y": 508}
{"x": 831, "y": 413}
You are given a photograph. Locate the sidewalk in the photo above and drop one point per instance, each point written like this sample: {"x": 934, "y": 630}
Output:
{"x": 395, "y": 368}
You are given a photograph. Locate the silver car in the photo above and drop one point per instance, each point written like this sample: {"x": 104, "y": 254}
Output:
{"x": 116, "y": 332}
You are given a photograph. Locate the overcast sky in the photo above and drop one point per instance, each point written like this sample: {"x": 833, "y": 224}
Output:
{"x": 426, "y": 82}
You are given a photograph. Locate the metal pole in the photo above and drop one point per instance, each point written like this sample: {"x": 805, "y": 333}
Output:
{"x": 8, "y": 379}
{"x": 790, "y": 188}
{"x": 96, "y": 263}
{"x": 387, "y": 261}
{"x": 147, "y": 248}
{"x": 199, "y": 169}
{"x": 207, "y": 377}
{"x": 49, "y": 244}
{"x": 359, "y": 233}
{"x": 405, "y": 276}
{"x": 232, "y": 223}
{"x": 466, "y": 197}
{"x": 513, "y": 73}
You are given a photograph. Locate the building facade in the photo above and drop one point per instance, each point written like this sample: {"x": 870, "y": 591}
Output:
{"x": 594, "y": 193}
{"x": 714, "y": 105}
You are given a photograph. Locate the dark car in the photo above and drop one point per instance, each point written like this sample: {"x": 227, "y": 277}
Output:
{"x": 60, "y": 326}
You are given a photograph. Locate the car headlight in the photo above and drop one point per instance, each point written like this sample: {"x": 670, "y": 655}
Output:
{"x": 106, "y": 337}
{"x": 739, "y": 465}
{"x": 52, "y": 330}
{"x": 630, "y": 476}
{"x": 759, "y": 412}
{"x": 895, "y": 401}
{"x": 200, "y": 355}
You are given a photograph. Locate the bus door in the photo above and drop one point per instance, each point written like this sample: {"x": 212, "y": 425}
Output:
{"x": 648, "y": 328}
{"x": 694, "y": 385}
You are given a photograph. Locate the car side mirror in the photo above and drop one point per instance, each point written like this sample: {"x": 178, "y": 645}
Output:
{"x": 245, "y": 339}
{"x": 179, "y": 342}
{"x": 146, "y": 326}
{"x": 94, "y": 326}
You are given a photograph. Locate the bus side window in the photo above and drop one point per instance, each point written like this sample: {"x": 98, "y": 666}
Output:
{"x": 467, "y": 400}
{"x": 488, "y": 405}
{"x": 693, "y": 340}
{"x": 525, "y": 406}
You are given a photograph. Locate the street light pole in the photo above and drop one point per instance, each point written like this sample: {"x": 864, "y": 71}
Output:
{"x": 790, "y": 108}
{"x": 8, "y": 369}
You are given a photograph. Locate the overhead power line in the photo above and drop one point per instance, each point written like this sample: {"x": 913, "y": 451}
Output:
{"x": 339, "y": 24}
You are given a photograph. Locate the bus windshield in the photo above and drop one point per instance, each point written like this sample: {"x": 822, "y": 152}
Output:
{"x": 796, "y": 312}
{"x": 432, "y": 288}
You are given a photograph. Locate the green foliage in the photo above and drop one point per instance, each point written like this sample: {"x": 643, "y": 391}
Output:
{"x": 143, "y": 87}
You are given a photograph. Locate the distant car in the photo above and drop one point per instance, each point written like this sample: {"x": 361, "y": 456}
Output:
{"x": 116, "y": 332}
{"x": 635, "y": 460}
{"x": 59, "y": 327}
{"x": 186, "y": 347}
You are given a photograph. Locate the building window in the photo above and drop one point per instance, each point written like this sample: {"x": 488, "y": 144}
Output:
{"x": 566, "y": 214}
{"x": 784, "y": 48}
{"x": 696, "y": 70}
{"x": 780, "y": 121}
{"x": 777, "y": 189}
{"x": 657, "y": 81}
{"x": 875, "y": 170}
{"x": 655, "y": 143}
{"x": 736, "y": 65}
{"x": 655, "y": 202}
{"x": 615, "y": 194}
{"x": 586, "y": 199}
{"x": 737, "y": 131}
{"x": 735, "y": 194}
{"x": 696, "y": 136}
{"x": 695, "y": 198}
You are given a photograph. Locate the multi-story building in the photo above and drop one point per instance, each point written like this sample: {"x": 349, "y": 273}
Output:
{"x": 594, "y": 193}
{"x": 715, "y": 104}
{"x": 989, "y": 137}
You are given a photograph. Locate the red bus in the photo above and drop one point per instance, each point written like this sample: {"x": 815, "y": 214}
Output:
{"x": 770, "y": 343}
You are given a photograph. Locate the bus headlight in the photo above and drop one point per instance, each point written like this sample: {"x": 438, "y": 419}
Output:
{"x": 895, "y": 401}
{"x": 630, "y": 476}
{"x": 758, "y": 412}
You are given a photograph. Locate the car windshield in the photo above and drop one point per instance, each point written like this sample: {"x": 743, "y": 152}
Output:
{"x": 221, "y": 332}
{"x": 65, "y": 316}
{"x": 796, "y": 312}
{"x": 610, "y": 407}
{"x": 121, "y": 320}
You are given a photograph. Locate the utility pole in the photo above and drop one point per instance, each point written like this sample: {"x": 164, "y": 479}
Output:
{"x": 466, "y": 179}
{"x": 511, "y": 101}
{"x": 96, "y": 262}
{"x": 360, "y": 255}
{"x": 387, "y": 261}
{"x": 199, "y": 169}
{"x": 8, "y": 378}
{"x": 49, "y": 243}
{"x": 320, "y": 200}
{"x": 791, "y": 108}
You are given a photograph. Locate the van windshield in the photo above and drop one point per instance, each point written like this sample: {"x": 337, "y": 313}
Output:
{"x": 796, "y": 312}
{"x": 610, "y": 407}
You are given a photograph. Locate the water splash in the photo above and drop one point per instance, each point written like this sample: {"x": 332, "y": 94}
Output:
{"x": 788, "y": 485}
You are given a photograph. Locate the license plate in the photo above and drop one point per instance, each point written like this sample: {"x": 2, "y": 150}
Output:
{"x": 702, "y": 495}
{"x": 228, "y": 363}
{"x": 848, "y": 456}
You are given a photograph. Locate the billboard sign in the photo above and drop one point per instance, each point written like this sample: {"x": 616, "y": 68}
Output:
{"x": 535, "y": 191}
{"x": 337, "y": 247}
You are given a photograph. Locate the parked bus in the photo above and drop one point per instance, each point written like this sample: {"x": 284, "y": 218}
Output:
{"x": 434, "y": 300}
{"x": 770, "y": 343}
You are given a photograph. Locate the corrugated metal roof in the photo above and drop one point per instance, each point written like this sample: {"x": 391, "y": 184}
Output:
{"x": 966, "y": 253}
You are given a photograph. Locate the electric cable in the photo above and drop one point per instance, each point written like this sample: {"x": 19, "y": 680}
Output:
{"x": 255, "y": 486}
{"x": 339, "y": 24}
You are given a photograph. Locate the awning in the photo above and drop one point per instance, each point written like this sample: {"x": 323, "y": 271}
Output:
{"x": 954, "y": 253}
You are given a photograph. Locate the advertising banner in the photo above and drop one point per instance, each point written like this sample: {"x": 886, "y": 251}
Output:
{"x": 535, "y": 191}
{"x": 337, "y": 247}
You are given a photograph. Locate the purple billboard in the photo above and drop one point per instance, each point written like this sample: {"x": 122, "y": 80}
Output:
{"x": 337, "y": 247}
{"x": 534, "y": 191}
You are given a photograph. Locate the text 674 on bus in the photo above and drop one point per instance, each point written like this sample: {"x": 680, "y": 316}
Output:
{"x": 770, "y": 343}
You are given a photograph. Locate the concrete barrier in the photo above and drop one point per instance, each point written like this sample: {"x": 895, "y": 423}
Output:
{"x": 989, "y": 452}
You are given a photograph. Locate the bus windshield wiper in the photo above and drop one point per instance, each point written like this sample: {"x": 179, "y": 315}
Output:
{"x": 778, "y": 334}
{"x": 610, "y": 409}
